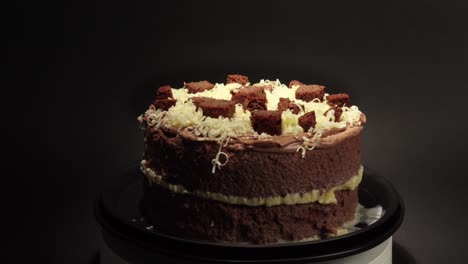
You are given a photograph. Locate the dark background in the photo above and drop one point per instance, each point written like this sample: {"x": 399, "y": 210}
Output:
{"x": 82, "y": 73}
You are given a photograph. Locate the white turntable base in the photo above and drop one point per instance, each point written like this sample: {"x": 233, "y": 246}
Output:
{"x": 381, "y": 254}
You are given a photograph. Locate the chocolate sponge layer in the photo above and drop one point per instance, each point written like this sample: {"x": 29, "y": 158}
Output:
{"x": 187, "y": 216}
{"x": 250, "y": 173}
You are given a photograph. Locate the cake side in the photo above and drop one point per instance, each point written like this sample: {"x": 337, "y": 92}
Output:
{"x": 251, "y": 173}
{"x": 198, "y": 218}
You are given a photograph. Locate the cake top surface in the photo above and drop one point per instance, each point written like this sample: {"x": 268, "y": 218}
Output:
{"x": 240, "y": 109}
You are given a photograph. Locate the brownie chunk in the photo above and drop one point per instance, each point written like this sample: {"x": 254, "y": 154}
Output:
{"x": 264, "y": 121}
{"x": 251, "y": 98}
{"x": 164, "y": 104}
{"x": 338, "y": 112}
{"x": 294, "y": 82}
{"x": 255, "y": 103}
{"x": 164, "y": 92}
{"x": 215, "y": 107}
{"x": 249, "y": 92}
{"x": 196, "y": 87}
{"x": 307, "y": 121}
{"x": 265, "y": 87}
{"x": 338, "y": 99}
{"x": 285, "y": 104}
{"x": 236, "y": 78}
{"x": 310, "y": 92}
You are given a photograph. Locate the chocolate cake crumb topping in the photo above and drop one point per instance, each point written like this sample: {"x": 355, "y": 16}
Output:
{"x": 214, "y": 107}
{"x": 307, "y": 121}
{"x": 285, "y": 104}
{"x": 265, "y": 87}
{"x": 264, "y": 121}
{"x": 237, "y": 78}
{"x": 164, "y": 92}
{"x": 294, "y": 82}
{"x": 196, "y": 87}
{"x": 338, "y": 112}
{"x": 308, "y": 93}
{"x": 251, "y": 98}
{"x": 338, "y": 99}
{"x": 198, "y": 100}
{"x": 256, "y": 104}
{"x": 164, "y": 104}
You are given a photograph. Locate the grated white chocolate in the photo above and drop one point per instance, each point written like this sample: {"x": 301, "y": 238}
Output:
{"x": 184, "y": 114}
{"x": 309, "y": 144}
{"x": 290, "y": 123}
{"x": 216, "y": 161}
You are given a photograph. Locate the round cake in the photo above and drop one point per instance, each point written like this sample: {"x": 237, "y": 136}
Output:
{"x": 251, "y": 162}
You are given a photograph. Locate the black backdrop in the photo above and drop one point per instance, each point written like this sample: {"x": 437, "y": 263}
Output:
{"x": 82, "y": 73}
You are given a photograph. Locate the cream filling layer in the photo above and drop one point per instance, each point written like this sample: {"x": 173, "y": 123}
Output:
{"x": 320, "y": 196}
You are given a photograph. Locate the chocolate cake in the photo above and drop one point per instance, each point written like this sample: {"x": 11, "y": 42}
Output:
{"x": 251, "y": 163}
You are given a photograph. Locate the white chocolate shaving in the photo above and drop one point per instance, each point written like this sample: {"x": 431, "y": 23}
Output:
{"x": 216, "y": 163}
{"x": 309, "y": 144}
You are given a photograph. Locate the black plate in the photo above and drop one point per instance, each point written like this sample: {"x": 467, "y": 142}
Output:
{"x": 116, "y": 211}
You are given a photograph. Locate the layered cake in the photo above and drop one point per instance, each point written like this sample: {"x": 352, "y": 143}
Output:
{"x": 250, "y": 162}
